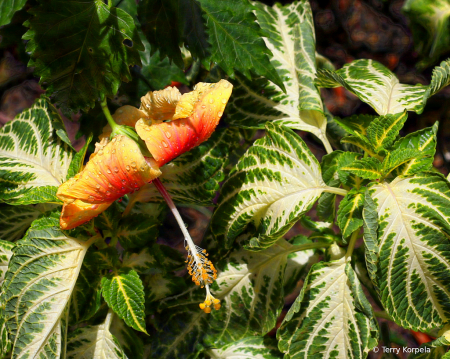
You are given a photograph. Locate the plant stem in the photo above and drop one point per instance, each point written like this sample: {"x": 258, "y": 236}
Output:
{"x": 315, "y": 245}
{"x": 326, "y": 143}
{"x": 92, "y": 240}
{"x": 108, "y": 116}
{"x": 351, "y": 244}
{"x": 382, "y": 314}
{"x": 339, "y": 191}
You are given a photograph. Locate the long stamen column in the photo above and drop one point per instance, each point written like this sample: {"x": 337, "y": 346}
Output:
{"x": 199, "y": 266}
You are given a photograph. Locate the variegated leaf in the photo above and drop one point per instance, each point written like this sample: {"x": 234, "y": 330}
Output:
{"x": 15, "y": 220}
{"x": 38, "y": 285}
{"x": 194, "y": 177}
{"x": 124, "y": 293}
{"x": 428, "y": 21}
{"x": 408, "y": 250}
{"x": 289, "y": 34}
{"x": 439, "y": 79}
{"x": 273, "y": 185}
{"x": 128, "y": 339}
{"x": 161, "y": 285}
{"x": 5, "y": 342}
{"x": 331, "y": 318}
{"x": 156, "y": 257}
{"x": 5, "y": 256}
{"x": 180, "y": 329}
{"x": 94, "y": 342}
{"x": 33, "y": 160}
{"x": 250, "y": 287}
{"x": 375, "y": 85}
{"x": 348, "y": 178}
{"x": 247, "y": 348}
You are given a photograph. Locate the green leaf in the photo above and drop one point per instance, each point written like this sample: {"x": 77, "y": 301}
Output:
{"x": 356, "y": 125}
{"x": 138, "y": 230}
{"x": 349, "y": 215}
{"x": 124, "y": 293}
{"x": 347, "y": 178}
{"x": 272, "y": 186}
{"x": 375, "y": 85}
{"x": 250, "y": 287}
{"x": 289, "y": 34}
{"x": 8, "y": 8}
{"x": 158, "y": 71}
{"x": 363, "y": 143}
{"x": 235, "y": 39}
{"x": 248, "y": 348}
{"x": 79, "y": 51}
{"x": 5, "y": 256}
{"x": 155, "y": 257}
{"x": 410, "y": 259}
{"x": 78, "y": 159}
{"x": 319, "y": 326}
{"x": 161, "y": 21}
{"x": 128, "y": 339}
{"x": 429, "y": 23}
{"x": 383, "y": 131}
{"x": 37, "y": 287}
{"x": 370, "y": 225}
{"x": 424, "y": 142}
{"x": 194, "y": 177}
{"x": 33, "y": 160}
{"x": 399, "y": 158}
{"x": 326, "y": 206}
{"x": 94, "y": 341}
{"x": 368, "y": 168}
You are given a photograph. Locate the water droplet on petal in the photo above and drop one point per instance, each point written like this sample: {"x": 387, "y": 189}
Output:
{"x": 97, "y": 186}
{"x": 220, "y": 114}
{"x": 203, "y": 106}
{"x": 116, "y": 170}
{"x": 168, "y": 134}
{"x": 165, "y": 144}
{"x": 211, "y": 100}
{"x": 224, "y": 101}
{"x": 108, "y": 193}
{"x": 226, "y": 85}
{"x": 113, "y": 151}
{"x": 100, "y": 152}
{"x": 128, "y": 168}
{"x": 109, "y": 171}
{"x": 133, "y": 164}
{"x": 142, "y": 169}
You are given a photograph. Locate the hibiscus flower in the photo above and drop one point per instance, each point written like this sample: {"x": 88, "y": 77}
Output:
{"x": 170, "y": 124}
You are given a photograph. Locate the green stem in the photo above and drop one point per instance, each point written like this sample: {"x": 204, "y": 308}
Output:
{"x": 306, "y": 246}
{"x": 382, "y": 314}
{"x": 108, "y": 116}
{"x": 339, "y": 191}
{"x": 351, "y": 244}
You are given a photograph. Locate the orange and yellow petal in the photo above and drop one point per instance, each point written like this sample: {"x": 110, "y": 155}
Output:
{"x": 113, "y": 171}
{"x": 203, "y": 107}
{"x": 160, "y": 105}
{"x": 79, "y": 212}
{"x": 125, "y": 115}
